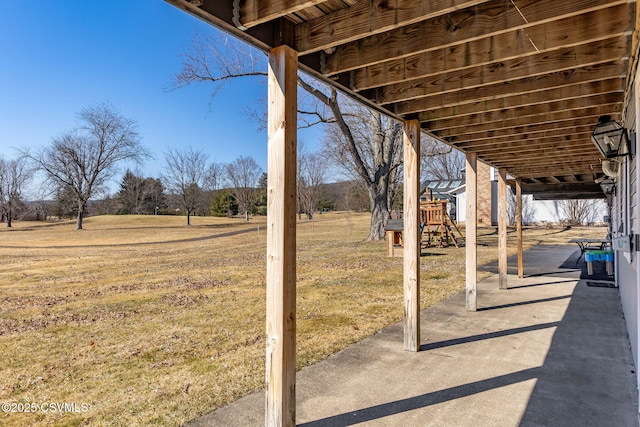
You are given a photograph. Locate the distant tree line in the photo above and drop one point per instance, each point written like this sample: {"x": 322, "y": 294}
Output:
{"x": 361, "y": 146}
{"x": 78, "y": 165}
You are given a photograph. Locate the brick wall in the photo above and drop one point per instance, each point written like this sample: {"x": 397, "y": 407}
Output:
{"x": 484, "y": 194}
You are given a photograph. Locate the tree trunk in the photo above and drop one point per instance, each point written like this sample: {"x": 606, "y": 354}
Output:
{"x": 188, "y": 217}
{"x": 379, "y": 212}
{"x": 81, "y": 207}
{"x": 9, "y": 220}
{"x": 246, "y": 215}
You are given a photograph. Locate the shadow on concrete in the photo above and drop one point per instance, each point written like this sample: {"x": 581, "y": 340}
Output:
{"x": 427, "y": 399}
{"x": 566, "y": 261}
{"x": 489, "y": 335}
{"x": 533, "y": 285}
{"x": 587, "y": 377}
{"x": 516, "y": 304}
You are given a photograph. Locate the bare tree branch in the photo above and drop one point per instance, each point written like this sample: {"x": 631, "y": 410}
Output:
{"x": 84, "y": 159}
{"x": 185, "y": 176}
{"x": 365, "y": 143}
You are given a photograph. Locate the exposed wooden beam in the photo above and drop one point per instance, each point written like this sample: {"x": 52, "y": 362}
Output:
{"x": 431, "y": 64}
{"x": 491, "y": 27}
{"x": 538, "y": 148}
{"x": 584, "y": 96}
{"x": 509, "y": 161}
{"x": 553, "y": 170}
{"x": 281, "y": 239}
{"x": 502, "y": 228}
{"x": 543, "y": 130}
{"x": 561, "y": 188}
{"x": 471, "y": 225}
{"x": 411, "y": 233}
{"x": 476, "y": 77}
{"x": 517, "y": 116}
{"x": 519, "y": 227}
{"x": 547, "y": 163}
{"x": 551, "y": 94}
{"x": 249, "y": 13}
{"x": 368, "y": 18}
{"x": 567, "y": 196}
{"x": 450, "y": 97}
{"x": 593, "y": 162}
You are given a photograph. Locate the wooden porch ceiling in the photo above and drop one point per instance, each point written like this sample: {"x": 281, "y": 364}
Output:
{"x": 520, "y": 82}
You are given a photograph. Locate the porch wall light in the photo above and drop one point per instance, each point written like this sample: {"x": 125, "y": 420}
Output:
{"x": 608, "y": 186}
{"x": 610, "y": 138}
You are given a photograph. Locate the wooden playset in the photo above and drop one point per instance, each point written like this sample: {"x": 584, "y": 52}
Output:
{"x": 436, "y": 228}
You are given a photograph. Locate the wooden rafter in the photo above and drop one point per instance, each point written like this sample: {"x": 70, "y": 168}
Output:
{"x": 515, "y": 117}
{"x": 525, "y": 67}
{"x": 347, "y": 25}
{"x": 249, "y": 13}
{"x": 493, "y": 26}
{"x": 583, "y": 97}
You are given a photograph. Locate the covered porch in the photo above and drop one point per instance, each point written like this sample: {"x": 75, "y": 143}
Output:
{"x": 516, "y": 84}
{"x": 551, "y": 351}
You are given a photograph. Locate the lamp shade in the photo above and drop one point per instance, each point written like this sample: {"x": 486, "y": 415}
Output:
{"x": 610, "y": 137}
{"x": 608, "y": 186}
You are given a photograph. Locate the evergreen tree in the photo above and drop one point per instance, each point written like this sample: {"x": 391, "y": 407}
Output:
{"x": 224, "y": 204}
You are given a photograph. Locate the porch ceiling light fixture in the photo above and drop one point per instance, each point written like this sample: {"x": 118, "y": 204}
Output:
{"x": 610, "y": 138}
{"x": 608, "y": 186}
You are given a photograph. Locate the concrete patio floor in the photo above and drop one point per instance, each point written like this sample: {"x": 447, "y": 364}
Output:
{"x": 550, "y": 351}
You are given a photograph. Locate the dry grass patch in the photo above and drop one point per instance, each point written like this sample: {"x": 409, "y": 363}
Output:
{"x": 152, "y": 322}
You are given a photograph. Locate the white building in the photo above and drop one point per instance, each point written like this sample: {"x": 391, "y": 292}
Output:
{"x": 535, "y": 212}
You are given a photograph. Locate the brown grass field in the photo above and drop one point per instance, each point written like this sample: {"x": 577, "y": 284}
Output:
{"x": 141, "y": 320}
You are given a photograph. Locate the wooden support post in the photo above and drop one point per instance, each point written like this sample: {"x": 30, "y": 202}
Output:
{"x": 411, "y": 235}
{"x": 502, "y": 228}
{"x": 281, "y": 239}
{"x": 519, "y": 225}
{"x": 471, "y": 224}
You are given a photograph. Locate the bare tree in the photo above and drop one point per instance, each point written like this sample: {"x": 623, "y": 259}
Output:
{"x": 84, "y": 159}
{"x": 368, "y": 145}
{"x": 185, "y": 175}
{"x": 528, "y": 211}
{"x": 312, "y": 172}
{"x": 365, "y": 142}
{"x": 578, "y": 211}
{"x": 214, "y": 176}
{"x": 440, "y": 161}
{"x": 14, "y": 176}
{"x": 243, "y": 175}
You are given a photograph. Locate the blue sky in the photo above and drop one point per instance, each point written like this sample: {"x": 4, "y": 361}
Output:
{"x": 58, "y": 57}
